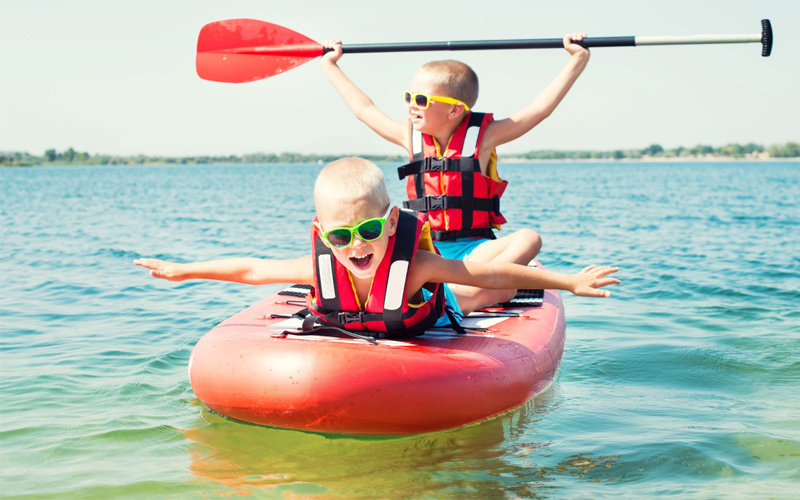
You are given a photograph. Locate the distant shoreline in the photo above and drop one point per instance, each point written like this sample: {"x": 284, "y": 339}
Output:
{"x": 501, "y": 160}
{"x": 652, "y": 153}
{"x": 657, "y": 159}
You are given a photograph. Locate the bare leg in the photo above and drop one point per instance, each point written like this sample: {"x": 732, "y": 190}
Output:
{"x": 519, "y": 247}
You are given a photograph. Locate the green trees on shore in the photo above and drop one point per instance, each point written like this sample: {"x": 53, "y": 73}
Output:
{"x": 750, "y": 150}
{"x": 654, "y": 151}
{"x": 68, "y": 156}
{"x": 72, "y": 157}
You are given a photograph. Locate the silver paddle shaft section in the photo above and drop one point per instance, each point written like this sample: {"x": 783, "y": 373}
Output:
{"x": 765, "y": 39}
{"x": 695, "y": 39}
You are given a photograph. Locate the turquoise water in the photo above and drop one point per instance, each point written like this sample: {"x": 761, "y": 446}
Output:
{"x": 683, "y": 384}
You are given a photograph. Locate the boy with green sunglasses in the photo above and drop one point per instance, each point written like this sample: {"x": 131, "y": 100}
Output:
{"x": 439, "y": 104}
{"x": 356, "y": 221}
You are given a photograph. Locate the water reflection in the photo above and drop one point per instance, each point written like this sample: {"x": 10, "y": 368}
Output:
{"x": 488, "y": 460}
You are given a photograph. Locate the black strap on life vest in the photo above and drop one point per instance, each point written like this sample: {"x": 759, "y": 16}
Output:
{"x": 433, "y": 164}
{"x": 483, "y": 232}
{"x": 320, "y": 325}
{"x": 466, "y": 202}
{"x": 405, "y": 244}
{"x": 445, "y": 202}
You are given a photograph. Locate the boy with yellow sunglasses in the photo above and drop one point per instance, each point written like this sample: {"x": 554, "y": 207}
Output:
{"x": 452, "y": 174}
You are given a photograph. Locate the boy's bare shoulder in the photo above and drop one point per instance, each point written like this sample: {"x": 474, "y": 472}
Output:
{"x": 430, "y": 267}
{"x": 423, "y": 260}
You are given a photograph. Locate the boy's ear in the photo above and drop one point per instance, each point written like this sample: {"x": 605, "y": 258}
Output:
{"x": 456, "y": 112}
{"x": 391, "y": 221}
{"x": 318, "y": 227}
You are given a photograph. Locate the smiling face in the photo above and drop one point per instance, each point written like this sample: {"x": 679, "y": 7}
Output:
{"x": 361, "y": 258}
{"x": 434, "y": 119}
{"x": 447, "y": 78}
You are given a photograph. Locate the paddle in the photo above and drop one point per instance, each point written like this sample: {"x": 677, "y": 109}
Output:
{"x": 244, "y": 50}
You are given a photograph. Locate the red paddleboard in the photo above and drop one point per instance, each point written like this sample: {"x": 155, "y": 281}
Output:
{"x": 247, "y": 370}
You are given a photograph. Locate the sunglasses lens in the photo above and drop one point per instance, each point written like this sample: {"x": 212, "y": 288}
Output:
{"x": 421, "y": 100}
{"x": 370, "y": 230}
{"x": 407, "y": 97}
{"x": 339, "y": 237}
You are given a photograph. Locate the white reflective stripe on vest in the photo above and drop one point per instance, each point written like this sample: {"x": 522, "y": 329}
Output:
{"x": 325, "y": 268}
{"x": 470, "y": 141}
{"x": 396, "y": 285}
{"x": 416, "y": 145}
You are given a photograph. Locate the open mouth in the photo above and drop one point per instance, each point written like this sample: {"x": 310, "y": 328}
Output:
{"x": 362, "y": 262}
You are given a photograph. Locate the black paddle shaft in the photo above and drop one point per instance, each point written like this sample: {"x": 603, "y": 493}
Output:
{"x": 537, "y": 43}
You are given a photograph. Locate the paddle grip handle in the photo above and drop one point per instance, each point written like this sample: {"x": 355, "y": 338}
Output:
{"x": 766, "y": 38}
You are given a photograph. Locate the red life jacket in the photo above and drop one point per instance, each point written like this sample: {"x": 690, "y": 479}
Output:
{"x": 386, "y": 313}
{"x": 460, "y": 201}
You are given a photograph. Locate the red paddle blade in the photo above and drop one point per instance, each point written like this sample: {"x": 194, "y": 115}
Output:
{"x": 244, "y": 50}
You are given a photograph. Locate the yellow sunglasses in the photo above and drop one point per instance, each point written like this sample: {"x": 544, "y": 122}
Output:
{"x": 422, "y": 101}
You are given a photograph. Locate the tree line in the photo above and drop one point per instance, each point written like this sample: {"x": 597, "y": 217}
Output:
{"x": 72, "y": 157}
{"x": 750, "y": 150}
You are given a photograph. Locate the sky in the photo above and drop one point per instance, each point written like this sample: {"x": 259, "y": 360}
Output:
{"x": 118, "y": 77}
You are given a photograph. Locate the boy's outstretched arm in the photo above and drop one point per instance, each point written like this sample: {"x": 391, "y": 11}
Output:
{"x": 430, "y": 267}
{"x": 244, "y": 270}
{"x": 521, "y": 122}
{"x": 358, "y": 102}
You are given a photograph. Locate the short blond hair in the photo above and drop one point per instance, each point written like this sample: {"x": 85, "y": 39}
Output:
{"x": 456, "y": 78}
{"x": 352, "y": 178}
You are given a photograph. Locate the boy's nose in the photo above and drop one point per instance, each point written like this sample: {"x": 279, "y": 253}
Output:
{"x": 357, "y": 241}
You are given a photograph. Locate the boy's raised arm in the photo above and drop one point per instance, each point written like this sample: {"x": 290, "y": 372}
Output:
{"x": 358, "y": 102}
{"x": 429, "y": 267}
{"x": 243, "y": 270}
{"x": 521, "y": 122}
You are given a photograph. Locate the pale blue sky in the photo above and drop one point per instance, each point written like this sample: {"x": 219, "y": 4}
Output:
{"x": 119, "y": 78}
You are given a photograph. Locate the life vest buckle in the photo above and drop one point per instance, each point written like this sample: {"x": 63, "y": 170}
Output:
{"x": 433, "y": 164}
{"x": 434, "y": 203}
{"x": 496, "y": 205}
{"x": 351, "y": 317}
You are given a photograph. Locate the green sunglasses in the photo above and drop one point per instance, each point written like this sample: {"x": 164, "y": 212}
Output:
{"x": 342, "y": 237}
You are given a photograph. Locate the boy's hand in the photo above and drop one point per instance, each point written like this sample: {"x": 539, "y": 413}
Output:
{"x": 573, "y": 48}
{"x": 169, "y": 271}
{"x": 334, "y": 55}
{"x": 587, "y": 282}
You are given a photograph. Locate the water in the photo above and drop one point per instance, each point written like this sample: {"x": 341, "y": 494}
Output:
{"x": 683, "y": 384}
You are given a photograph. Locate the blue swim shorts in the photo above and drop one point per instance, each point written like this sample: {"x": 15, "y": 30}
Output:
{"x": 459, "y": 249}
{"x": 450, "y": 303}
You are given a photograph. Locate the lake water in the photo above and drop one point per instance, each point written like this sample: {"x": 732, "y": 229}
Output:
{"x": 685, "y": 383}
